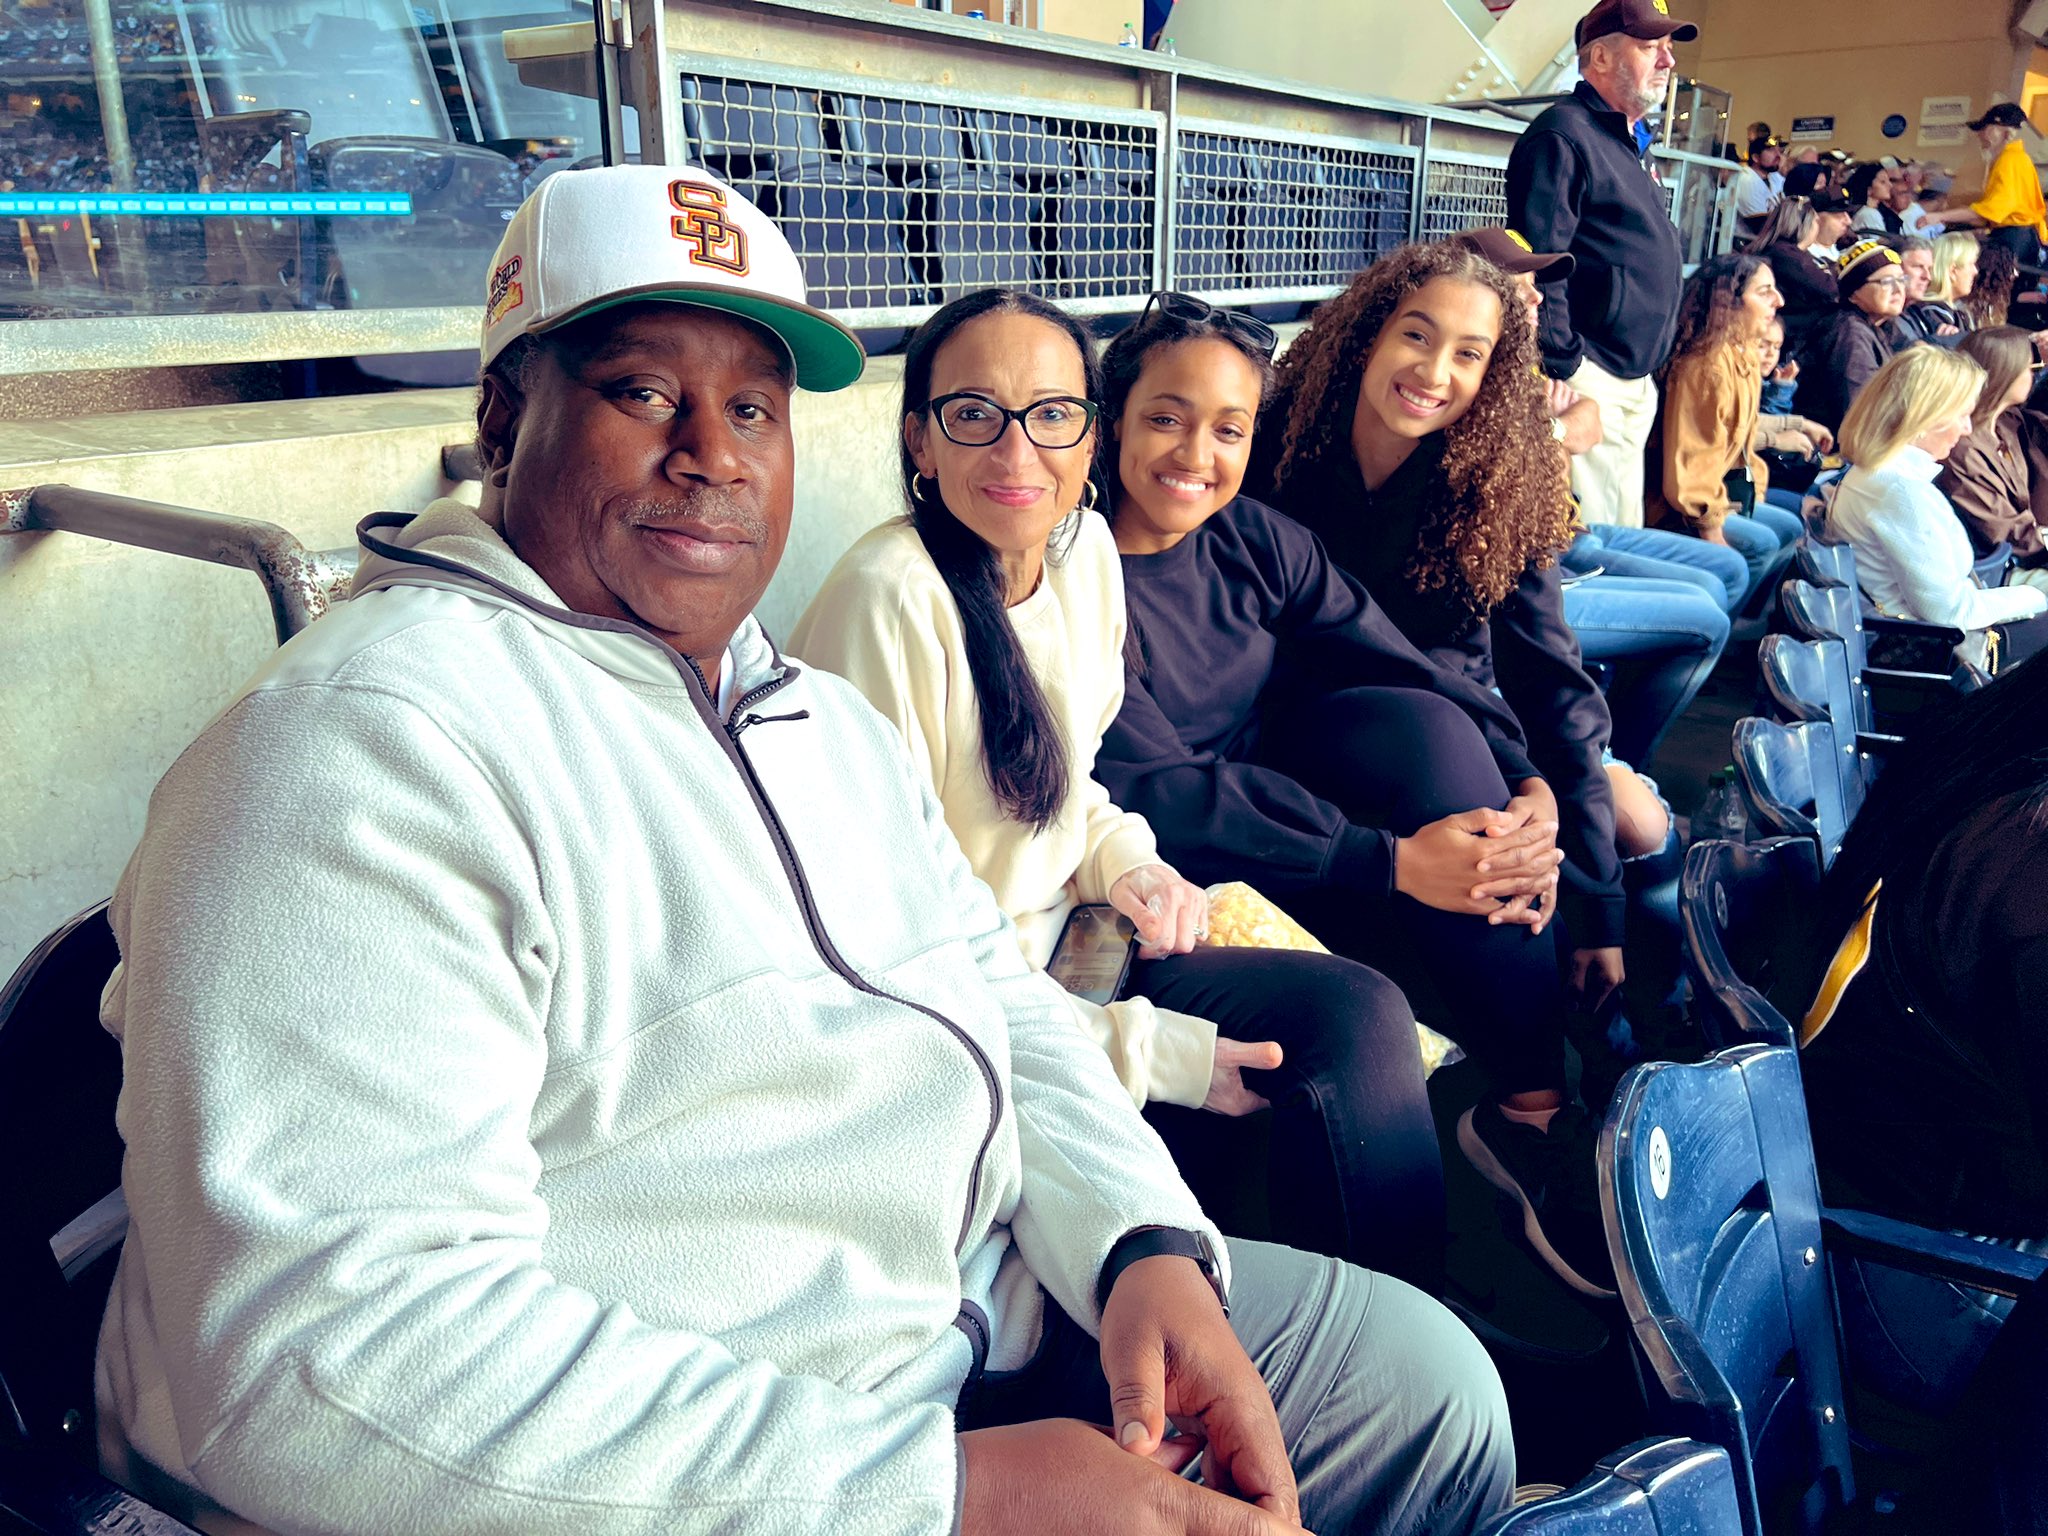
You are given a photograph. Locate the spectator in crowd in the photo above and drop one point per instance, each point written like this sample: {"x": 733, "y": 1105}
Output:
{"x": 1935, "y": 184}
{"x": 988, "y": 626}
{"x": 1831, "y": 212}
{"x": 1805, "y": 282}
{"x": 1913, "y": 558}
{"x": 1613, "y": 551}
{"x": 1760, "y": 185}
{"x": 619, "y": 1106}
{"x": 1869, "y": 191}
{"x": 1952, "y": 275}
{"x": 1858, "y": 338}
{"x": 1989, "y": 300}
{"x": 1923, "y": 1066}
{"x": 1807, "y": 177}
{"x": 1409, "y": 431}
{"x": 1905, "y": 199}
{"x": 1712, "y": 392}
{"x": 1995, "y": 476}
{"x": 1577, "y": 183}
{"x": 1781, "y": 374}
{"x": 2011, "y": 210}
{"x": 1918, "y": 322}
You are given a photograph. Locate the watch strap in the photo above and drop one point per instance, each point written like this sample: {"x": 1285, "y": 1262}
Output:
{"x": 1156, "y": 1242}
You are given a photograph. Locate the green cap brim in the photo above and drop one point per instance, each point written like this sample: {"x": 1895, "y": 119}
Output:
{"x": 827, "y": 355}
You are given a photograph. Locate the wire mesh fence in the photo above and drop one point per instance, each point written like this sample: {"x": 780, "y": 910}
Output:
{"x": 899, "y": 199}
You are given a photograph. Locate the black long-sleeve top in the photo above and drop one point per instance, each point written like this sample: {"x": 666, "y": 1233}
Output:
{"x": 1841, "y": 357}
{"x": 1811, "y": 295}
{"x": 1245, "y": 605}
{"x": 1524, "y": 648}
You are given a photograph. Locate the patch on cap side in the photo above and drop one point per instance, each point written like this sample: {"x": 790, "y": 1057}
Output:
{"x": 507, "y": 292}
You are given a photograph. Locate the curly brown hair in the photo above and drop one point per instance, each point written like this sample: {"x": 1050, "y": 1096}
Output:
{"x": 1506, "y": 502}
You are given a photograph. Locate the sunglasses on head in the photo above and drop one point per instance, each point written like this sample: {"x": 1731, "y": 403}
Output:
{"x": 1232, "y": 322}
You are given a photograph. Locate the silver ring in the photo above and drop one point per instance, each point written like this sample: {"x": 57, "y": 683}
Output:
{"x": 1201, "y": 933}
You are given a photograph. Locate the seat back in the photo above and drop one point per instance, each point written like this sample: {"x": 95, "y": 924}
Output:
{"x": 1652, "y": 1488}
{"x": 1825, "y": 565}
{"x": 1817, "y": 612}
{"x": 1713, "y": 1221}
{"x": 744, "y": 131}
{"x": 1790, "y": 782}
{"x": 1744, "y": 910}
{"x": 61, "y": 1221}
{"x": 1809, "y": 680}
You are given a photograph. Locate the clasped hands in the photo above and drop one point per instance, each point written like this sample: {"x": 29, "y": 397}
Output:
{"x": 1498, "y": 864}
{"x": 1169, "y": 1356}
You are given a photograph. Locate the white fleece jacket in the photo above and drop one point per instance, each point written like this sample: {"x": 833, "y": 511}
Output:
{"x": 518, "y": 1143}
{"x": 885, "y": 620}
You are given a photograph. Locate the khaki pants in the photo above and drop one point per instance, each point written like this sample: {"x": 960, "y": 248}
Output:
{"x": 1608, "y": 478}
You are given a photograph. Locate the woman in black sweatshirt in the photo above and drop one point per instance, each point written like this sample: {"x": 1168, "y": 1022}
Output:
{"x": 1277, "y": 727}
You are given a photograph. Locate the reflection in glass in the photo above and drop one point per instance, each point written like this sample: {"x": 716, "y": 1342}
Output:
{"x": 272, "y": 96}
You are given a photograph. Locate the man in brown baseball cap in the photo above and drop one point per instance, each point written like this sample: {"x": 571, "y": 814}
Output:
{"x": 1577, "y": 182}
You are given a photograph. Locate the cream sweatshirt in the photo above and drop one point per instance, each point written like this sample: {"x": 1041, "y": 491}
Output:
{"x": 886, "y": 621}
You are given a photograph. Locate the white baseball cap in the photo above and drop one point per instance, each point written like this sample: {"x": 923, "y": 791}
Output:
{"x": 619, "y": 234}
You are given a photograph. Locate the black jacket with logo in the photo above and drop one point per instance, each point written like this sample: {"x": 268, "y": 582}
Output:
{"x": 1577, "y": 183}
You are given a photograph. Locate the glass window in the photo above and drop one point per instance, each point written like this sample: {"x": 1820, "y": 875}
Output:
{"x": 266, "y": 154}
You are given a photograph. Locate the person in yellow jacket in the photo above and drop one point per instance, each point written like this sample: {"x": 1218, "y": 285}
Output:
{"x": 2012, "y": 208}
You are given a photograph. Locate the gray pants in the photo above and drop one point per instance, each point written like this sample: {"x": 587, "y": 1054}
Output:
{"x": 1393, "y": 1416}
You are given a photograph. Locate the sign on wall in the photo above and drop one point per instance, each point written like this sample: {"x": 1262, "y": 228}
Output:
{"x": 1943, "y": 119}
{"x": 1821, "y": 128}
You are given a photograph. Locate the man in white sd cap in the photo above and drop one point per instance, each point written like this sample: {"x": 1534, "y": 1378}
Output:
{"x": 574, "y": 1083}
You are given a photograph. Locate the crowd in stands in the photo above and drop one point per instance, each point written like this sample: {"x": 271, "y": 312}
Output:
{"x": 643, "y": 1081}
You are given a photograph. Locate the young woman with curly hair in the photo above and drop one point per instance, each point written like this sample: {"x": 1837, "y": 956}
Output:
{"x": 1409, "y": 428}
{"x": 1712, "y": 391}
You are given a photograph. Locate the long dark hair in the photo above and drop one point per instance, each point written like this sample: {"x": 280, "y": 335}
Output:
{"x": 2004, "y": 352}
{"x": 1711, "y": 304}
{"x": 1787, "y": 222}
{"x": 1022, "y": 747}
{"x": 1122, "y": 363}
{"x": 1998, "y": 272}
{"x": 1974, "y": 749}
{"x": 1505, "y": 499}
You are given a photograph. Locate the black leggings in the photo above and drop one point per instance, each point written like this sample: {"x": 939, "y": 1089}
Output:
{"x": 1353, "y": 1169}
{"x": 1398, "y": 759}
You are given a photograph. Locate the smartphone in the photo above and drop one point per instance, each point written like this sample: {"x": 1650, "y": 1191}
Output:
{"x": 1093, "y": 956}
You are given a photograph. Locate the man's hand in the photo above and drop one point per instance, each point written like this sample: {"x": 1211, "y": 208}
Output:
{"x": 1060, "y": 1477}
{"x": 1227, "y": 1092}
{"x": 1561, "y": 396}
{"x": 1823, "y": 439}
{"x": 1168, "y": 1353}
{"x": 1170, "y": 914}
{"x": 1582, "y": 429}
{"x": 1712, "y": 533}
{"x": 1439, "y": 864}
{"x": 1595, "y": 975}
{"x": 1792, "y": 440}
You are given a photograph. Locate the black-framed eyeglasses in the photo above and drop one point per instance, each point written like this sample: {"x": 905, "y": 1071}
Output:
{"x": 1232, "y": 322}
{"x": 975, "y": 421}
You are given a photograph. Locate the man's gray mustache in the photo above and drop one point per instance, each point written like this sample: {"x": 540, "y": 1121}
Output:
{"x": 718, "y": 508}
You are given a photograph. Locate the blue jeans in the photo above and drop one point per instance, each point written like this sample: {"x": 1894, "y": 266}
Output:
{"x": 1664, "y": 638}
{"x": 1663, "y": 555}
{"x": 1764, "y": 538}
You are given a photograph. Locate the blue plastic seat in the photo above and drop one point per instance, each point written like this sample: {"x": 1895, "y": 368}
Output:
{"x": 1896, "y": 666}
{"x": 1652, "y": 1488}
{"x": 1720, "y": 1241}
{"x": 1102, "y": 230}
{"x": 1790, "y": 781}
{"x": 1825, "y": 565}
{"x": 1810, "y": 680}
{"x": 1744, "y": 912}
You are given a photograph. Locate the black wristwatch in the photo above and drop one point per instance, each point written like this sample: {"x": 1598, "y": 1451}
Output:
{"x": 1152, "y": 1242}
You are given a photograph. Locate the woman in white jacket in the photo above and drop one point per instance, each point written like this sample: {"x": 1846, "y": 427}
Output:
{"x": 1913, "y": 555}
{"x": 989, "y": 627}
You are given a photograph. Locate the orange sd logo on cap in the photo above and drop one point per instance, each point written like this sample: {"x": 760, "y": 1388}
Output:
{"x": 701, "y": 224}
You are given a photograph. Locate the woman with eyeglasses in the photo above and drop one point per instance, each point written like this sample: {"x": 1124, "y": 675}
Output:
{"x": 1410, "y": 431}
{"x": 1993, "y": 476}
{"x": 989, "y": 625}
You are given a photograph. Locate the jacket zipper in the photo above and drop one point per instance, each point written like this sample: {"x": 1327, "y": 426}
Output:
{"x": 815, "y": 925}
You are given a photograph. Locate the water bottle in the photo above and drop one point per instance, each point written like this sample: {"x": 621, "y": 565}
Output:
{"x": 1130, "y": 37}
{"x": 1171, "y": 51}
{"x": 1722, "y": 814}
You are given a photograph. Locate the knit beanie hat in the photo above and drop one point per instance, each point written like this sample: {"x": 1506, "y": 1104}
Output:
{"x": 1860, "y": 263}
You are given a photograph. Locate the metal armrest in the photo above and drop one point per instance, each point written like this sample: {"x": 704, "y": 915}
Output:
{"x": 1923, "y": 1251}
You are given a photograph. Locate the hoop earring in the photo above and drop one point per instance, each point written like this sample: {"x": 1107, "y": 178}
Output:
{"x": 917, "y": 489}
{"x": 1090, "y": 497}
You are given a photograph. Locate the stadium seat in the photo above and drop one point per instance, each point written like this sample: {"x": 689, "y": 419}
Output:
{"x": 1810, "y": 680}
{"x": 1896, "y": 666}
{"x": 1652, "y": 1488}
{"x": 1102, "y": 234}
{"x": 1790, "y": 782}
{"x": 1744, "y": 910}
{"x": 1825, "y": 565}
{"x": 62, "y": 1222}
{"x": 1719, "y": 1242}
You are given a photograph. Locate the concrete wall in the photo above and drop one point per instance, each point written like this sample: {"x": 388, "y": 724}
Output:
{"x": 116, "y": 658}
{"x": 1858, "y": 62}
